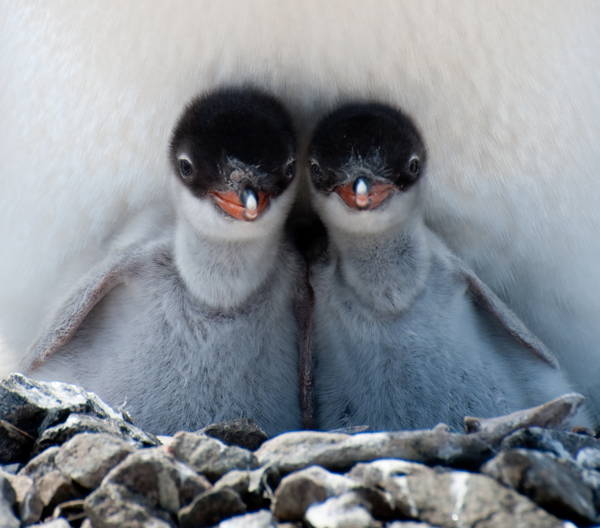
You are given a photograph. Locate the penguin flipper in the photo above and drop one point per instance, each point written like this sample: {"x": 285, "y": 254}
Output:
{"x": 72, "y": 312}
{"x": 489, "y": 301}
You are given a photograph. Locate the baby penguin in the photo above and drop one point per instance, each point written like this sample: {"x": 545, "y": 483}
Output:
{"x": 199, "y": 327}
{"x": 405, "y": 335}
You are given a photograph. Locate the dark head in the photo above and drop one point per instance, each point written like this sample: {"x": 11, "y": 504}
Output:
{"x": 233, "y": 151}
{"x": 367, "y": 158}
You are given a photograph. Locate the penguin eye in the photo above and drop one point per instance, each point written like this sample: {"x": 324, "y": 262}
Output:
{"x": 414, "y": 165}
{"x": 315, "y": 169}
{"x": 290, "y": 170}
{"x": 186, "y": 169}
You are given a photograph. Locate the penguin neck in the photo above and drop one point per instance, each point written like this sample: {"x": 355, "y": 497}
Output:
{"x": 223, "y": 274}
{"x": 386, "y": 270}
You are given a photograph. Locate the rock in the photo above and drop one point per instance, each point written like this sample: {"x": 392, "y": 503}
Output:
{"x": 15, "y": 444}
{"x": 114, "y": 506}
{"x": 556, "y": 485}
{"x": 54, "y": 523}
{"x": 467, "y": 500}
{"x": 87, "y": 458}
{"x": 346, "y": 511}
{"x": 51, "y": 486}
{"x": 32, "y": 406}
{"x": 7, "y": 502}
{"x": 35, "y": 406}
{"x": 210, "y": 456}
{"x": 161, "y": 480}
{"x": 298, "y": 491}
{"x": 242, "y": 433}
{"x": 560, "y": 443}
{"x": 259, "y": 519}
{"x": 210, "y": 508}
{"x": 82, "y": 423}
{"x": 252, "y": 486}
{"x": 589, "y": 458}
{"x": 71, "y": 511}
{"x": 29, "y": 503}
{"x": 410, "y": 524}
{"x": 373, "y": 474}
{"x": 555, "y": 414}
{"x": 11, "y": 468}
{"x": 292, "y": 451}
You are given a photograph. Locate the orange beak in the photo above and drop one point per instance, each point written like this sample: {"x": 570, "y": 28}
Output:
{"x": 230, "y": 202}
{"x": 362, "y": 198}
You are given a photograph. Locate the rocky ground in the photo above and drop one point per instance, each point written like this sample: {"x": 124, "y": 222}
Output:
{"x": 68, "y": 460}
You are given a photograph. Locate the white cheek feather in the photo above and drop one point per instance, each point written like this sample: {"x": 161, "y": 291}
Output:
{"x": 398, "y": 209}
{"x": 212, "y": 223}
{"x": 503, "y": 92}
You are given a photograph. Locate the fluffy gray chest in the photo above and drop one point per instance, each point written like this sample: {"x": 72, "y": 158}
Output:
{"x": 176, "y": 364}
{"x": 413, "y": 368}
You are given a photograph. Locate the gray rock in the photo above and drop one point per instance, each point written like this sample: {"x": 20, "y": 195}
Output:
{"x": 35, "y": 406}
{"x": 259, "y": 519}
{"x": 252, "y": 486}
{"x": 15, "y": 444}
{"x": 7, "y": 501}
{"x": 589, "y": 458}
{"x": 373, "y": 474}
{"x": 466, "y": 500}
{"x": 114, "y": 506}
{"x": 54, "y": 523}
{"x": 292, "y": 451}
{"x": 161, "y": 480}
{"x": 210, "y": 508}
{"x": 556, "y": 485}
{"x": 71, "y": 511}
{"x": 87, "y": 458}
{"x": 28, "y": 501}
{"x": 560, "y": 443}
{"x": 345, "y": 511}
{"x": 51, "y": 486}
{"x": 555, "y": 414}
{"x": 409, "y": 524}
{"x": 11, "y": 468}
{"x": 298, "y": 491}
{"x": 242, "y": 433}
{"x": 210, "y": 456}
{"x": 82, "y": 423}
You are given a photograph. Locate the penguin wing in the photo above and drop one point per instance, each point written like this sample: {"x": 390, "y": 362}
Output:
{"x": 490, "y": 302}
{"x": 71, "y": 313}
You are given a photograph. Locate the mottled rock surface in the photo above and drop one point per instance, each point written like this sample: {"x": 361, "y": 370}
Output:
{"x": 242, "y": 433}
{"x": 68, "y": 460}
{"x": 8, "y": 499}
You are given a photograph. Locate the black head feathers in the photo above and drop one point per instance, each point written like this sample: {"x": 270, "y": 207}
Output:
{"x": 234, "y": 128}
{"x": 374, "y": 136}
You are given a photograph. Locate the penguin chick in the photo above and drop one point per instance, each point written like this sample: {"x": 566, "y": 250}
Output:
{"x": 199, "y": 327}
{"x": 405, "y": 335}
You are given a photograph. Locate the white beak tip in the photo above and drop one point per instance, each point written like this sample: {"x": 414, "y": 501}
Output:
{"x": 251, "y": 202}
{"x": 361, "y": 188}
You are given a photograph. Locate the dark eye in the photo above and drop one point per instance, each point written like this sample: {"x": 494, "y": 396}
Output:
{"x": 315, "y": 169}
{"x": 414, "y": 165}
{"x": 186, "y": 169}
{"x": 290, "y": 170}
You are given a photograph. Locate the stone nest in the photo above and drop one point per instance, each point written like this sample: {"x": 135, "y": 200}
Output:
{"x": 68, "y": 460}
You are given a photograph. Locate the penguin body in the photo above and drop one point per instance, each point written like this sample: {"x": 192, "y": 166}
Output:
{"x": 199, "y": 326}
{"x": 405, "y": 334}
